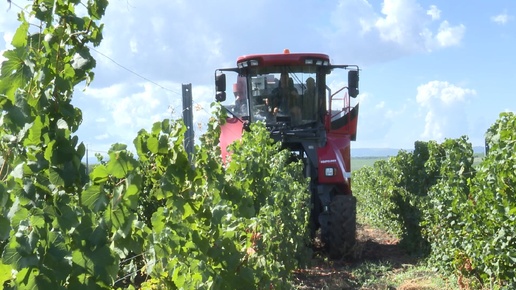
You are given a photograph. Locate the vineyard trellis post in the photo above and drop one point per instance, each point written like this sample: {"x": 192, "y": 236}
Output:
{"x": 188, "y": 120}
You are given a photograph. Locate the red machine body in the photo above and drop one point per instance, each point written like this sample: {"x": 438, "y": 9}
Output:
{"x": 290, "y": 93}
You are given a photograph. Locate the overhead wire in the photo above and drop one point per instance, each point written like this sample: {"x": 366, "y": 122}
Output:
{"x": 195, "y": 105}
{"x": 133, "y": 72}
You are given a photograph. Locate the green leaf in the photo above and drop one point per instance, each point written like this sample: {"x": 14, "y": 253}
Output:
{"x": 153, "y": 144}
{"x": 99, "y": 262}
{"x": 67, "y": 217}
{"x": 117, "y": 147}
{"x": 97, "y": 8}
{"x": 158, "y": 220}
{"x": 5, "y": 227}
{"x": 37, "y": 219}
{"x": 163, "y": 145}
{"x": 14, "y": 254}
{"x": 18, "y": 171}
{"x": 81, "y": 150}
{"x": 187, "y": 210}
{"x": 95, "y": 198}
{"x": 56, "y": 176}
{"x": 20, "y": 36}
{"x": 120, "y": 164}
{"x": 99, "y": 174}
{"x": 120, "y": 218}
{"x": 5, "y": 273}
{"x": 81, "y": 259}
{"x": 156, "y": 128}
{"x": 139, "y": 144}
{"x": 15, "y": 73}
{"x": 26, "y": 278}
{"x": 34, "y": 136}
{"x": 20, "y": 214}
{"x": 131, "y": 196}
{"x": 56, "y": 256}
{"x": 49, "y": 151}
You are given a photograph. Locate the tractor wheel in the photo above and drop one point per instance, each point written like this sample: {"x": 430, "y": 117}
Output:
{"x": 342, "y": 231}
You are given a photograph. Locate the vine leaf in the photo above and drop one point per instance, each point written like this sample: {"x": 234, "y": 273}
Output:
{"x": 20, "y": 36}
{"x": 120, "y": 163}
{"x": 95, "y": 198}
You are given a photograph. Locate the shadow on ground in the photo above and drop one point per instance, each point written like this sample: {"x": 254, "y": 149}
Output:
{"x": 375, "y": 249}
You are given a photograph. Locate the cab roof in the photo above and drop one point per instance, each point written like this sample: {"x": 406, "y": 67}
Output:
{"x": 285, "y": 58}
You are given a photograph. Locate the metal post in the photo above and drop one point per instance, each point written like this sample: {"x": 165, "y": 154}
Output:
{"x": 188, "y": 120}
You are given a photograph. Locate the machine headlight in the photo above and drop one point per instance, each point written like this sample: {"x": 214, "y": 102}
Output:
{"x": 330, "y": 171}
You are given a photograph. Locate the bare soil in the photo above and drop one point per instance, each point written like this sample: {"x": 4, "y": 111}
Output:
{"x": 373, "y": 246}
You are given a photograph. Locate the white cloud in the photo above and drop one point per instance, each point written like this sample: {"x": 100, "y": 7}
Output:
{"x": 101, "y": 120}
{"x": 399, "y": 23}
{"x": 434, "y": 12}
{"x": 380, "y": 105}
{"x": 160, "y": 40}
{"x": 174, "y": 42}
{"x": 102, "y": 137}
{"x": 379, "y": 122}
{"x": 7, "y": 35}
{"x": 448, "y": 35}
{"x": 401, "y": 27}
{"x": 124, "y": 109}
{"x": 444, "y": 104}
{"x": 501, "y": 18}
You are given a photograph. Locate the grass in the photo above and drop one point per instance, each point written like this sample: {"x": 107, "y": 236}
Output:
{"x": 412, "y": 277}
{"x": 359, "y": 162}
{"x": 375, "y": 275}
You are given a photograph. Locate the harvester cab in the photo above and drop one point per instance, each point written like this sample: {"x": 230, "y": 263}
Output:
{"x": 291, "y": 94}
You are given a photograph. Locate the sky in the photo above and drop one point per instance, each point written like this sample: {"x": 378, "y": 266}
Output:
{"x": 429, "y": 70}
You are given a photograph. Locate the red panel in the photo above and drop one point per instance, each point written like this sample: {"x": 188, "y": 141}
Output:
{"x": 334, "y": 154}
{"x": 229, "y": 132}
{"x": 283, "y": 58}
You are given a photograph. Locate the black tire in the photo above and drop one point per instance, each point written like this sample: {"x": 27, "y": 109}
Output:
{"x": 343, "y": 226}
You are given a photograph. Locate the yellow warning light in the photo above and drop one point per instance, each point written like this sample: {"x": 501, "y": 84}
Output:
{"x": 286, "y": 50}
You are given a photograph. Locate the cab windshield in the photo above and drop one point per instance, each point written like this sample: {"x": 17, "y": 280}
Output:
{"x": 278, "y": 96}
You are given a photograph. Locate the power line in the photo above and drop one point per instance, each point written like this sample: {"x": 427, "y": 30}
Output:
{"x": 133, "y": 72}
{"x": 196, "y": 105}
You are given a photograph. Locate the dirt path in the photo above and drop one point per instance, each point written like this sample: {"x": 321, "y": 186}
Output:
{"x": 373, "y": 246}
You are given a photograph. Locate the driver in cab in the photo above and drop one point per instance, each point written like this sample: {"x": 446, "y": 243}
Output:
{"x": 285, "y": 98}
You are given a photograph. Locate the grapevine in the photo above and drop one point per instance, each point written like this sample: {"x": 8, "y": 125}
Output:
{"x": 435, "y": 197}
{"x": 142, "y": 218}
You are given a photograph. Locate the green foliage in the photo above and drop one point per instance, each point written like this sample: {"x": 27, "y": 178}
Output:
{"x": 448, "y": 198}
{"x": 390, "y": 195}
{"x": 47, "y": 236}
{"x": 476, "y": 237}
{"x": 148, "y": 218}
{"x": 372, "y": 185}
{"x": 435, "y": 196}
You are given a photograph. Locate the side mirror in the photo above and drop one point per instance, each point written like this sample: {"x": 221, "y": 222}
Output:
{"x": 220, "y": 96}
{"x": 220, "y": 87}
{"x": 353, "y": 83}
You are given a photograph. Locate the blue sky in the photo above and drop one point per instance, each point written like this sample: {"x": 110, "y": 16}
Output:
{"x": 429, "y": 69}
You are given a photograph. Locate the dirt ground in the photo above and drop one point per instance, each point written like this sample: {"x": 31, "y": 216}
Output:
{"x": 373, "y": 246}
